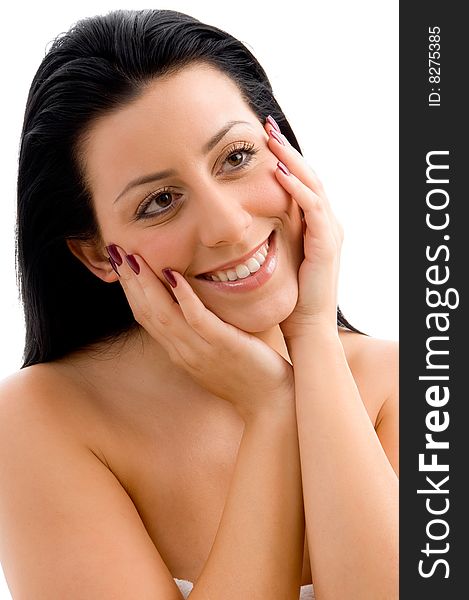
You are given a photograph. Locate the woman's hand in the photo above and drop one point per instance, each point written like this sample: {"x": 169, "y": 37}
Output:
{"x": 226, "y": 361}
{"x": 322, "y": 239}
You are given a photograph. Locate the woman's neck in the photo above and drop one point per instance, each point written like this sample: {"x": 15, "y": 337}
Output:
{"x": 138, "y": 362}
{"x": 144, "y": 353}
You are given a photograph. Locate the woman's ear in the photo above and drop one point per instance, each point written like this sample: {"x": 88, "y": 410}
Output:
{"x": 93, "y": 256}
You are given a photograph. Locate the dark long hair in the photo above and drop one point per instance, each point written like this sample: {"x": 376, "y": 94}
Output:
{"x": 102, "y": 63}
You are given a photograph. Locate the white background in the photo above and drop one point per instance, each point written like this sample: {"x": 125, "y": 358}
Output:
{"x": 334, "y": 69}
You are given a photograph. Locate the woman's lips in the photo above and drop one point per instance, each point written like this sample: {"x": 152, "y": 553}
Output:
{"x": 233, "y": 264}
{"x": 253, "y": 281}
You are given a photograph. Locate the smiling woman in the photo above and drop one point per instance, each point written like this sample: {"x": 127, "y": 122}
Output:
{"x": 216, "y": 191}
{"x": 178, "y": 261}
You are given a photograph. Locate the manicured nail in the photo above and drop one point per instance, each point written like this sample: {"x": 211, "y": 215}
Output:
{"x": 283, "y": 168}
{"x": 133, "y": 264}
{"x": 276, "y": 136}
{"x": 273, "y": 122}
{"x": 112, "y": 262}
{"x": 168, "y": 275}
{"x": 114, "y": 254}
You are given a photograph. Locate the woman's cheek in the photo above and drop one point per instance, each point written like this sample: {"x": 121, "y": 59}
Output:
{"x": 266, "y": 197}
{"x": 161, "y": 249}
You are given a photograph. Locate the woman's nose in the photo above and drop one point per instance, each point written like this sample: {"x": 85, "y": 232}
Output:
{"x": 222, "y": 218}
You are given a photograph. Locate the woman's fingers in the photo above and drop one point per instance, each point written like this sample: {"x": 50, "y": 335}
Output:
{"x": 153, "y": 307}
{"x": 290, "y": 156}
{"x": 186, "y": 324}
{"x": 202, "y": 320}
{"x": 318, "y": 274}
{"x": 147, "y": 295}
{"x": 316, "y": 216}
{"x": 297, "y": 165}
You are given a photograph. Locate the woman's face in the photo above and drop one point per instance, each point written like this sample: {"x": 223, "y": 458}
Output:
{"x": 184, "y": 178}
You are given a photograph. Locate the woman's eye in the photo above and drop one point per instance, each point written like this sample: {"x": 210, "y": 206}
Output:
{"x": 235, "y": 159}
{"x": 158, "y": 203}
{"x": 162, "y": 200}
{"x": 238, "y": 158}
{"x": 163, "y": 203}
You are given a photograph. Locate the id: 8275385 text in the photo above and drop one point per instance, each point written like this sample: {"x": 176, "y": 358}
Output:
{"x": 434, "y": 75}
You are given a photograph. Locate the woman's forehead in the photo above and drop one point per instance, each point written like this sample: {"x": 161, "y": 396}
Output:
{"x": 191, "y": 94}
{"x": 196, "y": 99}
{"x": 175, "y": 115}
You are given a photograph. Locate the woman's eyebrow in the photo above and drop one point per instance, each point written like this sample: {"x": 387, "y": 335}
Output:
{"x": 212, "y": 142}
{"x": 146, "y": 179}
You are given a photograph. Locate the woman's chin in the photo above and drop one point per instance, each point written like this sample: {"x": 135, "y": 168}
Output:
{"x": 257, "y": 318}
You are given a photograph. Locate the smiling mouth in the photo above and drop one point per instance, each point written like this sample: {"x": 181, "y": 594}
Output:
{"x": 242, "y": 268}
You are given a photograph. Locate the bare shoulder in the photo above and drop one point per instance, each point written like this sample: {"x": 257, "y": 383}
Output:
{"x": 42, "y": 396}
{"x": 36, "y": 381}
{"x": 72, "y": 530}
{"x": 375, "y": 366}
{"x": 28, "y": 392}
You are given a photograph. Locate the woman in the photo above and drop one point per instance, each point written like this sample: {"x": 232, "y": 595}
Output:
{"x": 188, "y": 403}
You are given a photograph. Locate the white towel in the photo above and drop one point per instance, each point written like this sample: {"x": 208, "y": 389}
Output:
{"x": 306, "y": 593}
{"x": 184, "y": 586}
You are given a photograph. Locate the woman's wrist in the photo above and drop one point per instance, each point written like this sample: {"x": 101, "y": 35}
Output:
{"x": 275, "y": 420}
{"x": 279, "y": 408}
{"x": 311, "y": 334}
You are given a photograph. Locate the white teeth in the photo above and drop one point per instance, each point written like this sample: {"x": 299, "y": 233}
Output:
{"x": 253, "y": 265}
{"x": 260, "y": 258}
{"x": 243, "y": 270}
{"x": 222, "y": 276}
{"x": 232, "y": 276}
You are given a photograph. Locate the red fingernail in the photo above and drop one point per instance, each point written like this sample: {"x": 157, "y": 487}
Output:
{"x": 112, "y": 262}
{"x": 283, "y": 168}
{"x": 114, "y": 254}
{"x": 273, "y": 122}
{"x": 276, "y": 136}
{"x": 168, "y": 275}
{"x": 133, "y": 264}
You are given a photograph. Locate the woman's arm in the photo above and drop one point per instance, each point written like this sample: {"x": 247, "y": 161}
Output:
{"x": 349, "y": 486}
{"x": 258, "y": 549}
